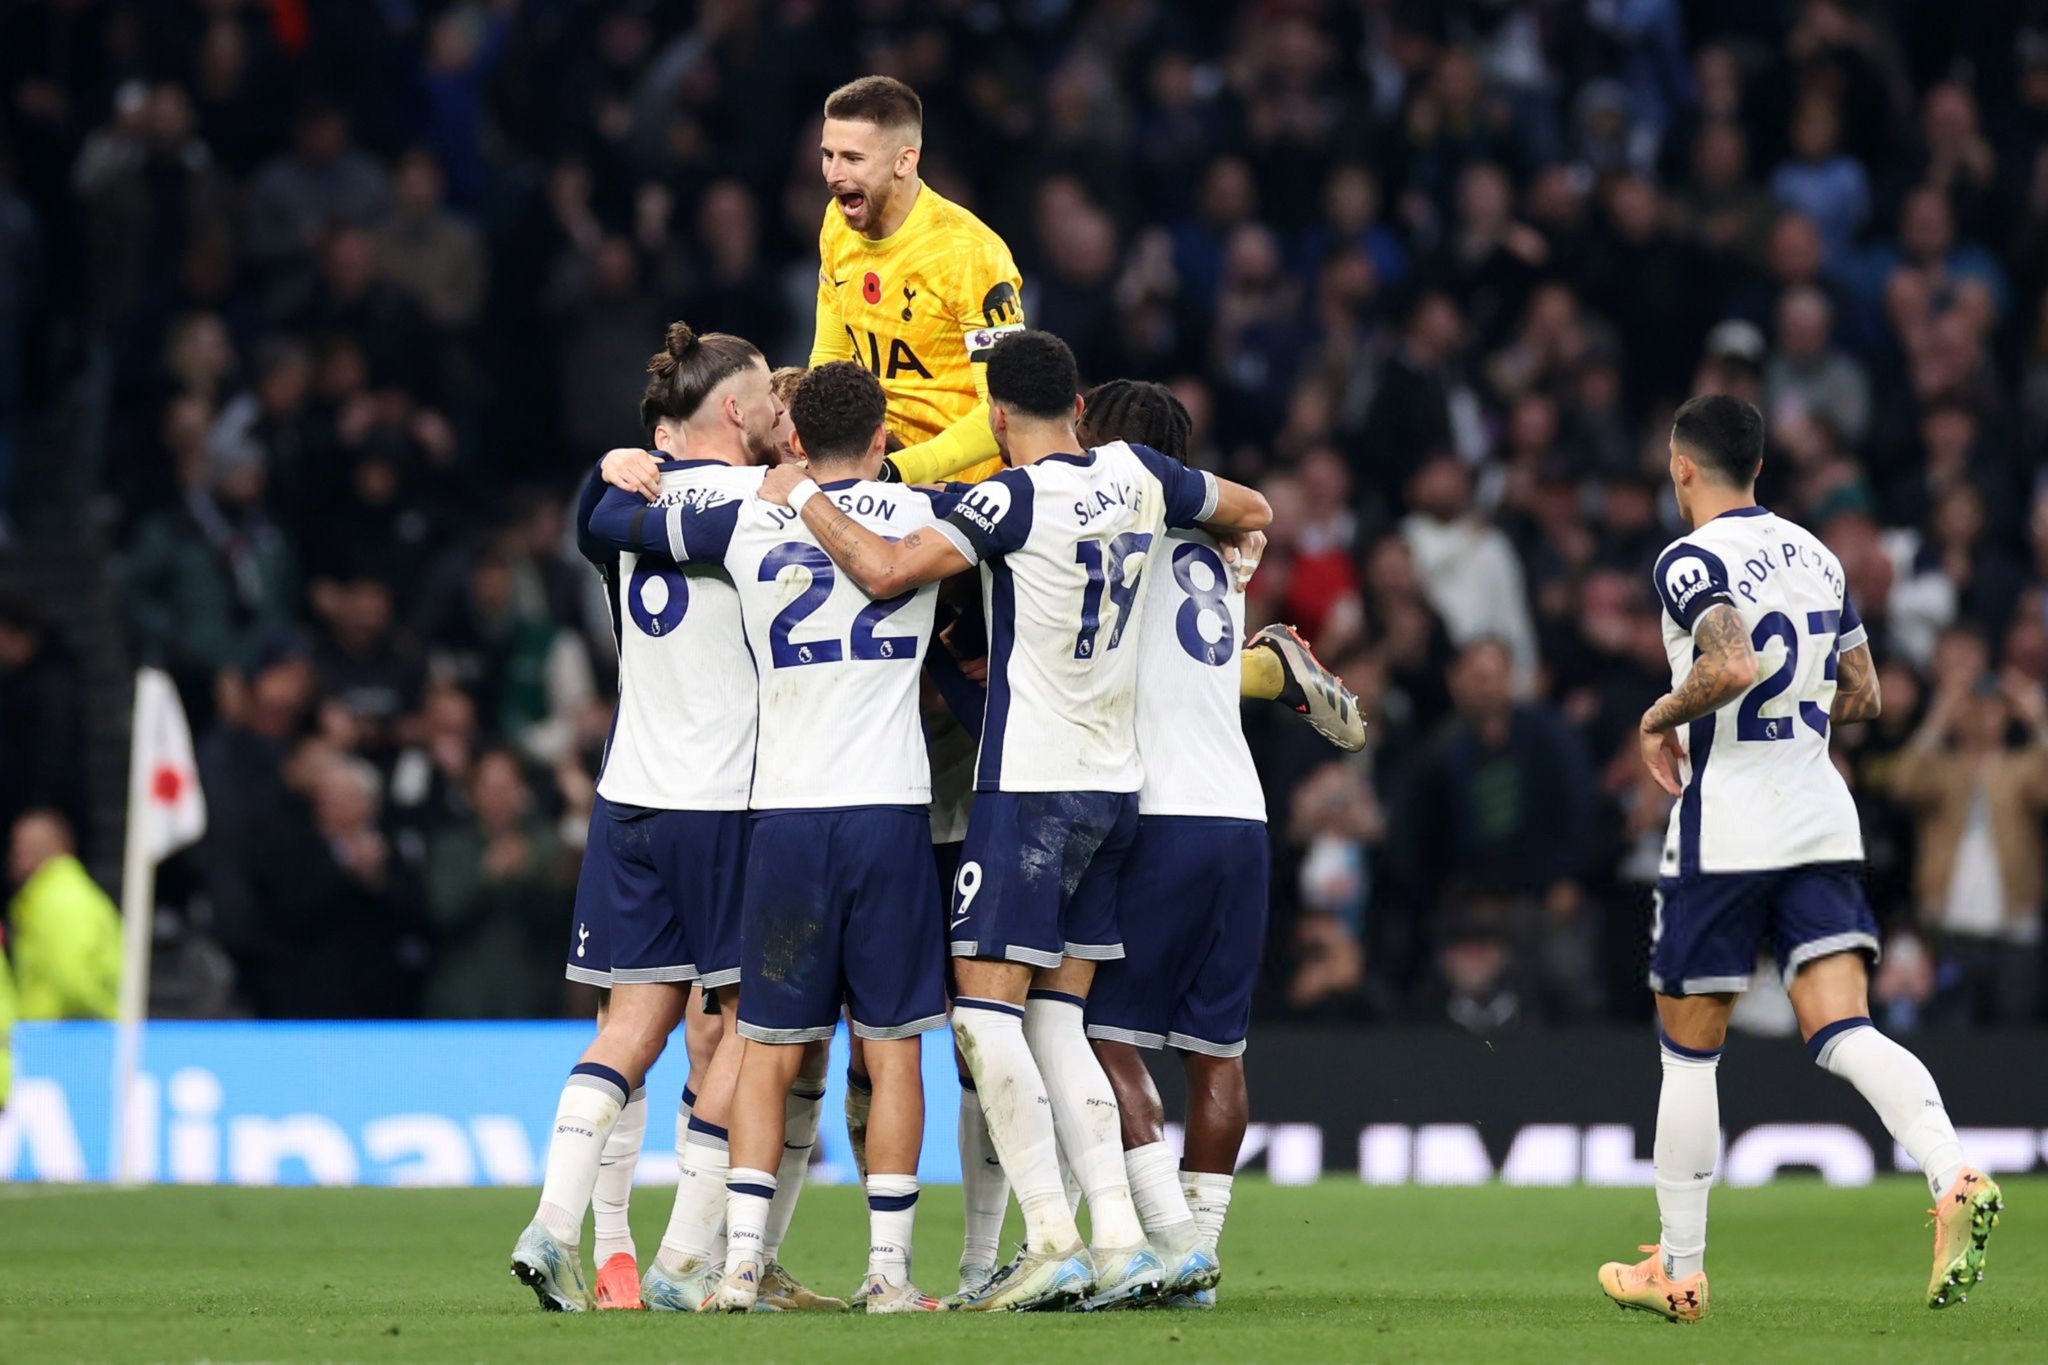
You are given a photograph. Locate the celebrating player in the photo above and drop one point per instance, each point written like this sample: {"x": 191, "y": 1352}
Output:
{"x": 1766, "y": 654}
{"x": 1062, "y": 537}
{"x": 840, "y": 881}
{"x": 910, "y": 284}
{"x": 1192, "y": 896}
{"x": 660, "y": 877}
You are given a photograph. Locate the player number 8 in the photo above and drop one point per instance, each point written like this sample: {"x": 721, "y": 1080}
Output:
{"x": 1203, "y": 598}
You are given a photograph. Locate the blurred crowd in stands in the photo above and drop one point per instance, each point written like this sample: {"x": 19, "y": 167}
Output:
{"x": 372, "y": 285}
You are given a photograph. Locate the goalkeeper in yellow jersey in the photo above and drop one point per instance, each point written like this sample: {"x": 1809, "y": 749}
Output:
{"x": 919, "y": 290}
{"x": 910, "y": 284}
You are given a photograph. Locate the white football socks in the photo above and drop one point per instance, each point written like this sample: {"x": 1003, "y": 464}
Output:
{"x": 984, "y": 1189}
{"x": 1687, "y": 1145}
{"x": 1154, "y": 1174}
{"x": 1897, "y": 1085}
{"x": 1085, "y": 1114}
{"x": 991, "y": 1037}
{"x": 748, "y": 1194}
{"x": 799, "y": 1136}
{"x": 612, "y": 1194}
{"x": 1208, "y": 1196}
{"x": 892, "y": 1209}
{"x": 584, "y": 1116}
{"x": 703, "y": 1165}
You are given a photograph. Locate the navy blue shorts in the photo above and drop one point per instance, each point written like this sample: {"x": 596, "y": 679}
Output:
{"x": 838, "y": 910}
{"x": 946, "y": 857}
{"x": 1192, "y": 907}
{"x": 1709, "y": 929}
{"x": 658, "y": 898}
{"x": 590, "y": 928}
{"x": 1038, "y": 876}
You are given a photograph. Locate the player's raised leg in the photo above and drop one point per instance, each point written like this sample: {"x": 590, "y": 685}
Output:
{"x": 1831, "y": 996}
{"x": 1280, "y": 660}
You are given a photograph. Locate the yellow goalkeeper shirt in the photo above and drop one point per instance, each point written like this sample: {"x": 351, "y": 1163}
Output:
{"x": 921, "y": 308}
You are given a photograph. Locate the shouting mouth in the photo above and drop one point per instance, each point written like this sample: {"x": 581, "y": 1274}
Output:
{"x": 852, "y": 203}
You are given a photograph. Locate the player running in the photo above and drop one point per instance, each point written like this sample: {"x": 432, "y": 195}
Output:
{"x": 1192, "y": 896}
{"x": 1063, "y": 537}
{"x": 1766, "y": 654}
{"x": 660, "y": 883}
{"x": 840, "y": 880}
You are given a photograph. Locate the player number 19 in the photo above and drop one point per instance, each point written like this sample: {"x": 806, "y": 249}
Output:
{"x": 1088, "y": 554}
{"x": 965, "y": 883}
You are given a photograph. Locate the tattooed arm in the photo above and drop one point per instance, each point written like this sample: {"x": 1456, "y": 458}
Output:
{"x": 1856, "y": 693}
{"x": 879, "y": 566}
{"x": 1725, "y": 668}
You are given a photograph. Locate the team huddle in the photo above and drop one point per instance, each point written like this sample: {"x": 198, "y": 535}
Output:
{"x": 831, "y": 774}
{"x": 928, "y": 716}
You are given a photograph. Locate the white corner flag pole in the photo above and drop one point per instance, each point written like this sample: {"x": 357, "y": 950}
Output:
{"x": 166, "y": 812}
{"x": 138, "y": 913}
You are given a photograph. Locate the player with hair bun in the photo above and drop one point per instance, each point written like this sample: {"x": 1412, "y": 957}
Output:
{"x": 841, "y": 887}
{"x": 657, "y": 902}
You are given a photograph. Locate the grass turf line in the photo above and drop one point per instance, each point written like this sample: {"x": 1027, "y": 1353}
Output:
{"x": 1329, "y": 1272}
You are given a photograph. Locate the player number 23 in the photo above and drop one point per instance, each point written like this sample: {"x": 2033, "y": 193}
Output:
{"x": 1750, "y": 721}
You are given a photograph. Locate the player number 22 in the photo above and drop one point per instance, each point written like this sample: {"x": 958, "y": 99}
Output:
{"x": 1121, "y": 593}
{"x": 784, "y": 652}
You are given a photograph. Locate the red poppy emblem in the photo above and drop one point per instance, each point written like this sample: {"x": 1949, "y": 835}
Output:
{"x": 871, "y": 288}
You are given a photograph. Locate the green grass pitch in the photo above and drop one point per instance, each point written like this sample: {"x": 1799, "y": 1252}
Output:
{"x": 1336, "y": 1271}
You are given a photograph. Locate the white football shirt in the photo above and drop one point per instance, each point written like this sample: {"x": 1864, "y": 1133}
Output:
{"x": 1064, "y": 545}
{"x": 1760, "y": 790}
{"x": 683, "y": 738}
{"x": 839, "y": 673}
{"x": 1190, "y": 731}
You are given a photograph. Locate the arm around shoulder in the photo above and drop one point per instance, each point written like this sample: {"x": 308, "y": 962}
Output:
{"x": 1239, "y": 509}
{"x": 879, "y": 567}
